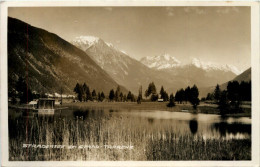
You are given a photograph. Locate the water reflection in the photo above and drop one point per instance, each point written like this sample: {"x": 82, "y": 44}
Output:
{"x": 85, "y": 114}
{"x": 225, "y": 128}
{"x": 150, "y": 120}
{"x": 111, "y": 113}
{"x": 111, "y": 110}
{"x": 193, "y": 126}
{"x": 81, "y": 114}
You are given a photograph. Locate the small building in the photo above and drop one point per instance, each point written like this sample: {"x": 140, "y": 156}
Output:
{"x": 45, "y": 106}
{"x": 160, "y": 100}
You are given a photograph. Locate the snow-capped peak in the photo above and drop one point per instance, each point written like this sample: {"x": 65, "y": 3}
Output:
{"x": 124, "y": 52}
{"x": 167, "y": 56}
{"x": 161, "y": 61}
{"x": 110, "y": 44}
{"x": 166, "y": 61}
{"x": 87, "y": 41}
{"x": 214, "y": 66}
{"x": 196, "y": 62}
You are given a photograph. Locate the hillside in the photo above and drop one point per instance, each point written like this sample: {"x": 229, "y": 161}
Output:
{"x": 245, "y": 76}
{"x": 52, "y": 62}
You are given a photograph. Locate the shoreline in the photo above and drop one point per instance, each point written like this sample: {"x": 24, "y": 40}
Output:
{"x": 203, "y": 108}
{"x": 161, "y": 106}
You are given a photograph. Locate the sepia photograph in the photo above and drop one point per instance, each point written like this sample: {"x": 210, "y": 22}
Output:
{"x": 129, "y": 83}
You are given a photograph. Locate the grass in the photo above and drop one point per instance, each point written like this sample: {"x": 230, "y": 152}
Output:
{"x": 188, "y": 148}
{"x": 87, "y": 127}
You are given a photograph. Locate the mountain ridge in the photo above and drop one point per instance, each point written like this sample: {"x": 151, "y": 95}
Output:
{"x": 163, "y": 61}
{"x": 166, "y": 61}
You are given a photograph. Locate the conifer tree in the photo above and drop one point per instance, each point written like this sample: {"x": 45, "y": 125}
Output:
{"x": 88, "y": 94}
{"x": 124, "y": 98}
{"x": 151, "y": 91}
{"x": 99, "y": 96}
{"x": 94, "y": 94}
{"x": 111, "y": 95}
{"x": 129, "y": 96}
{"x": 139, "y": 98}
{"x": 164, "y": 94}
{"x": 194, "y": 96}
{"x": 84, "y": 95}
{"x": 121, "y": 96}
{"x": 79, "y": 91}
{"x": 217, "y": 93}
{"x": 171, "y": 102}
{"x": 102, "y": 96}
{"x": 187, "y": 94}
{"x": 117, "y": 93}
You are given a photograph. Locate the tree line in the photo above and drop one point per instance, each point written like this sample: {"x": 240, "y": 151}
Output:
{"x": 229, "y": 100}
{"x": 119, "y": 96}
{"x": 189, "y": 95}
{"x": 85, "y": 94}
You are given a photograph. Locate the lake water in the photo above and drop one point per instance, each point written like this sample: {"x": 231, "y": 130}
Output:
{"x": 207, "y": 125}
{"x": 152, "y": 133}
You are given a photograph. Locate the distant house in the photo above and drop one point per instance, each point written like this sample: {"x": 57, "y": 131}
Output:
{"x": 160, "y": 100}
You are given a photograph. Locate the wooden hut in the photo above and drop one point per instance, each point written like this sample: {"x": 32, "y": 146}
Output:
{"x": 45, "y": 106}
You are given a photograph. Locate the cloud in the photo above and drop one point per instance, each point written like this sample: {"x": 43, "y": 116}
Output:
{"x": 226, "y": 10}
{"x": 197, "y": 10}
{"x": 108, "y": 9}
{"x": 170, "y": 11}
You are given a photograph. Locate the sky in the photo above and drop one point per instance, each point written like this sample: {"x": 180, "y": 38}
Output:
{"x": 211, "y": 34}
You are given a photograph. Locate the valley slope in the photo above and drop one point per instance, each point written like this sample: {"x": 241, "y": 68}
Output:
{"x": 52, "y": 62}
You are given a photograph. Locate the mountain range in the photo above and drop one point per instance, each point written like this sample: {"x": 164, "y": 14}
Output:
{"x": 54, "y": 63}
{"x": 164, "y": 69}
{"x": 121, "y": 67}
{"x": 166, "y": 61}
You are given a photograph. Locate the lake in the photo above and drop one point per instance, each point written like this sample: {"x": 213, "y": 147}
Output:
{"x": 100, "y": 134}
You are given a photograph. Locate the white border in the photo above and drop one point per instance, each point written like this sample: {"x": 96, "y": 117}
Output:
{"x": 255, "y": 61}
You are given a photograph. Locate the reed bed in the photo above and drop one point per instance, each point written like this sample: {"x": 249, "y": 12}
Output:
{"x": 87, "y": 128}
